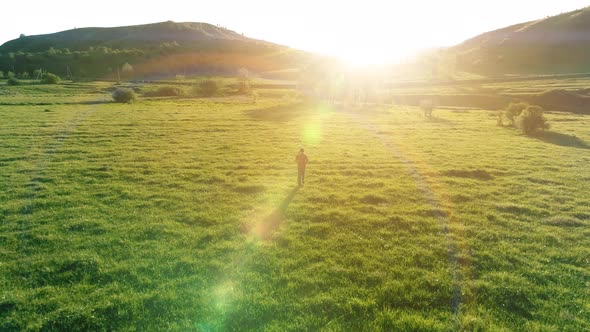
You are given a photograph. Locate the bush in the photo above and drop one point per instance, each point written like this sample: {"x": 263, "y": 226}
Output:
{"x": 13, "y": 81}
{"x": 243, "y": 80}
{"x": 500, "y": 119}
{"x": 122, "y": 95}
{"x": 254, "y": 96}
{"x": 531, "y": 120}
{"x": 1, "y": 74}
{"x": 513, "y": 111}
{"x": 427, "y": 106}
{"x": 208, "y": 88}
{"x": 243, "y": 87}
{"x": 50, "y": 78}
{"x": 165, "y": 91}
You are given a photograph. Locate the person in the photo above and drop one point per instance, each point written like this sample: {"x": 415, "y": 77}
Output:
{"x": 301, "y": 160}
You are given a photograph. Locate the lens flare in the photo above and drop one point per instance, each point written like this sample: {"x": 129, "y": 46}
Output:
{"x": 312, "y": 133}
{"x": 312, "y": 130}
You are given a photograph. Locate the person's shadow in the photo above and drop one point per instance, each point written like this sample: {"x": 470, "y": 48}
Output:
{"x": 266, "y": 228}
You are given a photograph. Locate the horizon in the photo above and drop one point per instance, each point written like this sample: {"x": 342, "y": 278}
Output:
{"x": 328, "y": 30}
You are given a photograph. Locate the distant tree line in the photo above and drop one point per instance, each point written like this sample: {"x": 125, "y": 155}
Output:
{"x": 164, "y": 60}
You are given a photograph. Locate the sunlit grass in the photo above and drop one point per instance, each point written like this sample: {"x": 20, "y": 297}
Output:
{"x": 184, "y": 215}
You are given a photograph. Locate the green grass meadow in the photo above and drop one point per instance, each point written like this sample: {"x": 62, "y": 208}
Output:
{"x": 184, "y": 215}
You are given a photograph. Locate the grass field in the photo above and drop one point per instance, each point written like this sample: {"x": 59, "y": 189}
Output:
{"x": 184, "y": 215}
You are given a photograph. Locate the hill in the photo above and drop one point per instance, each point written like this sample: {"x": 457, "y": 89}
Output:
{"x": 138, "y": 36}
{"x": 553, "y": 45}
{"x": 159, "y": 49}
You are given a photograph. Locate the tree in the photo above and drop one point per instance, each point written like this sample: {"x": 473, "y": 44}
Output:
{"x": 24, "y": 75}
{"x": 22, "y": 35}
{"x": 126, "y": 69}
{"x": 37, "y": 73}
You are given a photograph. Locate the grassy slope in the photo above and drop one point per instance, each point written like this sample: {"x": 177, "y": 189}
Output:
{"x": 136, "y": 36}
{"x": 159, "y": 50}
{"x": 183, "y": 215}
{"x": 551, "y": 45}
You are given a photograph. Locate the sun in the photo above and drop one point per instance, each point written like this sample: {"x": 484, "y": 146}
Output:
{"x": 372, "y": 51}
{"x": 360, "y": 58}
{"x": 375, "y": 55}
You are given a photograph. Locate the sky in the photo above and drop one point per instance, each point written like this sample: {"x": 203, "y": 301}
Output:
{"x": 363, "y": 32}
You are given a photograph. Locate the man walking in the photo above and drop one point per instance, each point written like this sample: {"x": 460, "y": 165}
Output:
{"x": 301, "y": 160}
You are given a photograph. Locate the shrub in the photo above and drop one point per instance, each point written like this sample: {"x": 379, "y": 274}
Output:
{"x": 513, "y": 111}
{"x": 243, "y": 80}
{"x": 13, "y": 81}
{"x": 165, "y": 91}
{"x": 123, "y": 95}
{"x": 10, "y": 74}
{"x": 254, "y": 96}
{"x": 208, "y": 88}
{"x": 1, "y": 74}
{"x": 531, "y": 120}
{"x": 427, "y": 105}
{"x": 50, "y": 78}
{"x": 243, "y": 87}
{"x": 500, "y": 119}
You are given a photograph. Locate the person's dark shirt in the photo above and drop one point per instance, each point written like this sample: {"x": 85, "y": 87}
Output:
{"x": 301, "y": 160}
